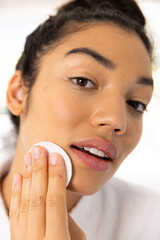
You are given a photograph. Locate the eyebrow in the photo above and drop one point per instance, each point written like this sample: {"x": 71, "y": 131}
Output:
{"x": 145, "y": 81}
{"x": 106, "y": 62}
{"x": 95, "y": 55}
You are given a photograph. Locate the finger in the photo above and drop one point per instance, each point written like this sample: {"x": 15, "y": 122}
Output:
{"x": 37, "y": 212}
{"x": 56, "y": 211}
{"x": 15, "y": 205}
{"x": 25, "y": 197}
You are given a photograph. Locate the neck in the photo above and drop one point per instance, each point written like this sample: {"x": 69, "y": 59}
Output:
{"x": 17, "y": 166}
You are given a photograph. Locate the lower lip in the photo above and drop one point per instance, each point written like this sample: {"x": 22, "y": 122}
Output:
{"x": 91, "y": 161}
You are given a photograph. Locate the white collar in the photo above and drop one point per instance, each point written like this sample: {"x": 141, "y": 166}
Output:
{"x": 4, "y": 219}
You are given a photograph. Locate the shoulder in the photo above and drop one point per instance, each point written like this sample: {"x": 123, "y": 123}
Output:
{"x": 134, "y": 204}
{"x": 135, "y": 209}
{"x": 129, "y": 212}
{"x": 4, "y": 221}
{"x": 126, "y": 191}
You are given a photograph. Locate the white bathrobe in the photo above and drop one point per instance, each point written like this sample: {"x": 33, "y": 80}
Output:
{"x": 119, "y": 211}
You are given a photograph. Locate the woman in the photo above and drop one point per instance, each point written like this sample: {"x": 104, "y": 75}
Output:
{"x": 83, "y": 80}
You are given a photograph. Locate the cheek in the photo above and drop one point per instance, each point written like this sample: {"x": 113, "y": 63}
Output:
{"x": 133, "y": 135}
{"x": 52, "y": 114}
{"x": 63, "y": 110}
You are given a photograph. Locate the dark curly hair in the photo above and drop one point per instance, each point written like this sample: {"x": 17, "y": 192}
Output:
{"x": 70, "y": 18}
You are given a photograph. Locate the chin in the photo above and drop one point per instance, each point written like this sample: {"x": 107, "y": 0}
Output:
{"x": 84, "y": 187}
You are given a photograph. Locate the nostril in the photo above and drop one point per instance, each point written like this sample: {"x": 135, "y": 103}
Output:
{"x": 117, "y": 130}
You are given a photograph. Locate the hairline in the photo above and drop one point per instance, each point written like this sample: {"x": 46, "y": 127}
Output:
{"x": 78, "y": 27}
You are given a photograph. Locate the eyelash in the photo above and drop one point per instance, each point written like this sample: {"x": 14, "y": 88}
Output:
{"x": 134, "y": 104}
{"x": 84, "y": 79}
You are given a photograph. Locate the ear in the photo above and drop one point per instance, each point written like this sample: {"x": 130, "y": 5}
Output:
{"x": 16, "y": 96}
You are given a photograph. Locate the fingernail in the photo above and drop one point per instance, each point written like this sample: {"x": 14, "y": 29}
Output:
{"x": 15, "y": 179}
{"x": 36, "y": 153}
{"x": 28, "y": 159}
{"x": 53, "y": 158}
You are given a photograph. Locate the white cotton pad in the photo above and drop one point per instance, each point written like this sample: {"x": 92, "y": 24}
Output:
{"x": 54, "y": 148}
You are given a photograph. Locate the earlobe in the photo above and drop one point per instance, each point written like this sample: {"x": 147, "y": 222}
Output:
{"x": 15, "y": 94}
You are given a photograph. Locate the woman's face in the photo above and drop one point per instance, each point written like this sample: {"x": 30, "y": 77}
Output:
{"x": 65, "y": 108}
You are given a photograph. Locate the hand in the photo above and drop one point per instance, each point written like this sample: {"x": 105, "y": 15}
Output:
{"x": 38, "y": 208}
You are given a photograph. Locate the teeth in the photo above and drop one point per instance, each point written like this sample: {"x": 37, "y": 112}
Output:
{"x": 101, "y": 154}
{"x": 87, "y": 148}
{"x": 96, "y": 152}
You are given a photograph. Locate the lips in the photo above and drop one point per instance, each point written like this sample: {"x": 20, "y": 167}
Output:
{"x": 92, "y": 154}
{"x": 94, "y": 161}
{"x": 105, "y": 146}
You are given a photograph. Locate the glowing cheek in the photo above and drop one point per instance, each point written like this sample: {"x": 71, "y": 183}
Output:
{"x": 134, "y": 134}
{"x": 65, "y": 110}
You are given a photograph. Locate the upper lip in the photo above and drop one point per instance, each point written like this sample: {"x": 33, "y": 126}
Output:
{"x": 110, "y": 149}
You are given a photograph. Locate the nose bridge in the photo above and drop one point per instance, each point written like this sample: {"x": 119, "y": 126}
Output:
{"x": 110, "y": 111}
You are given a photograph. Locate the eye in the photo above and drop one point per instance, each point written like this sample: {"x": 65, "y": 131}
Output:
{"x": 83, "y": 82}
{"x": 138, "y": 106}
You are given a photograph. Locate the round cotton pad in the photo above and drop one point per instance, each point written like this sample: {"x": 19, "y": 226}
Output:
{"x": 54, "y": 148}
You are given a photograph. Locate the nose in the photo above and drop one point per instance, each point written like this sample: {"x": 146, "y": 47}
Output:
{"x": 110, "y": 113}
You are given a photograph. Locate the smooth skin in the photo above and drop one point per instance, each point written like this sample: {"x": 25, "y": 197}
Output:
{"x": 63, "y": 111}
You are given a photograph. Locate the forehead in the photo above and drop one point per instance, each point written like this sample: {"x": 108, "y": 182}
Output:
{"x": 123, "y": 47}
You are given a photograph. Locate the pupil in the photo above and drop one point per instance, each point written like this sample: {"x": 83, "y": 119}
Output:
{"x": 82, "y": 82}
{"x": 136, "y": 105}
